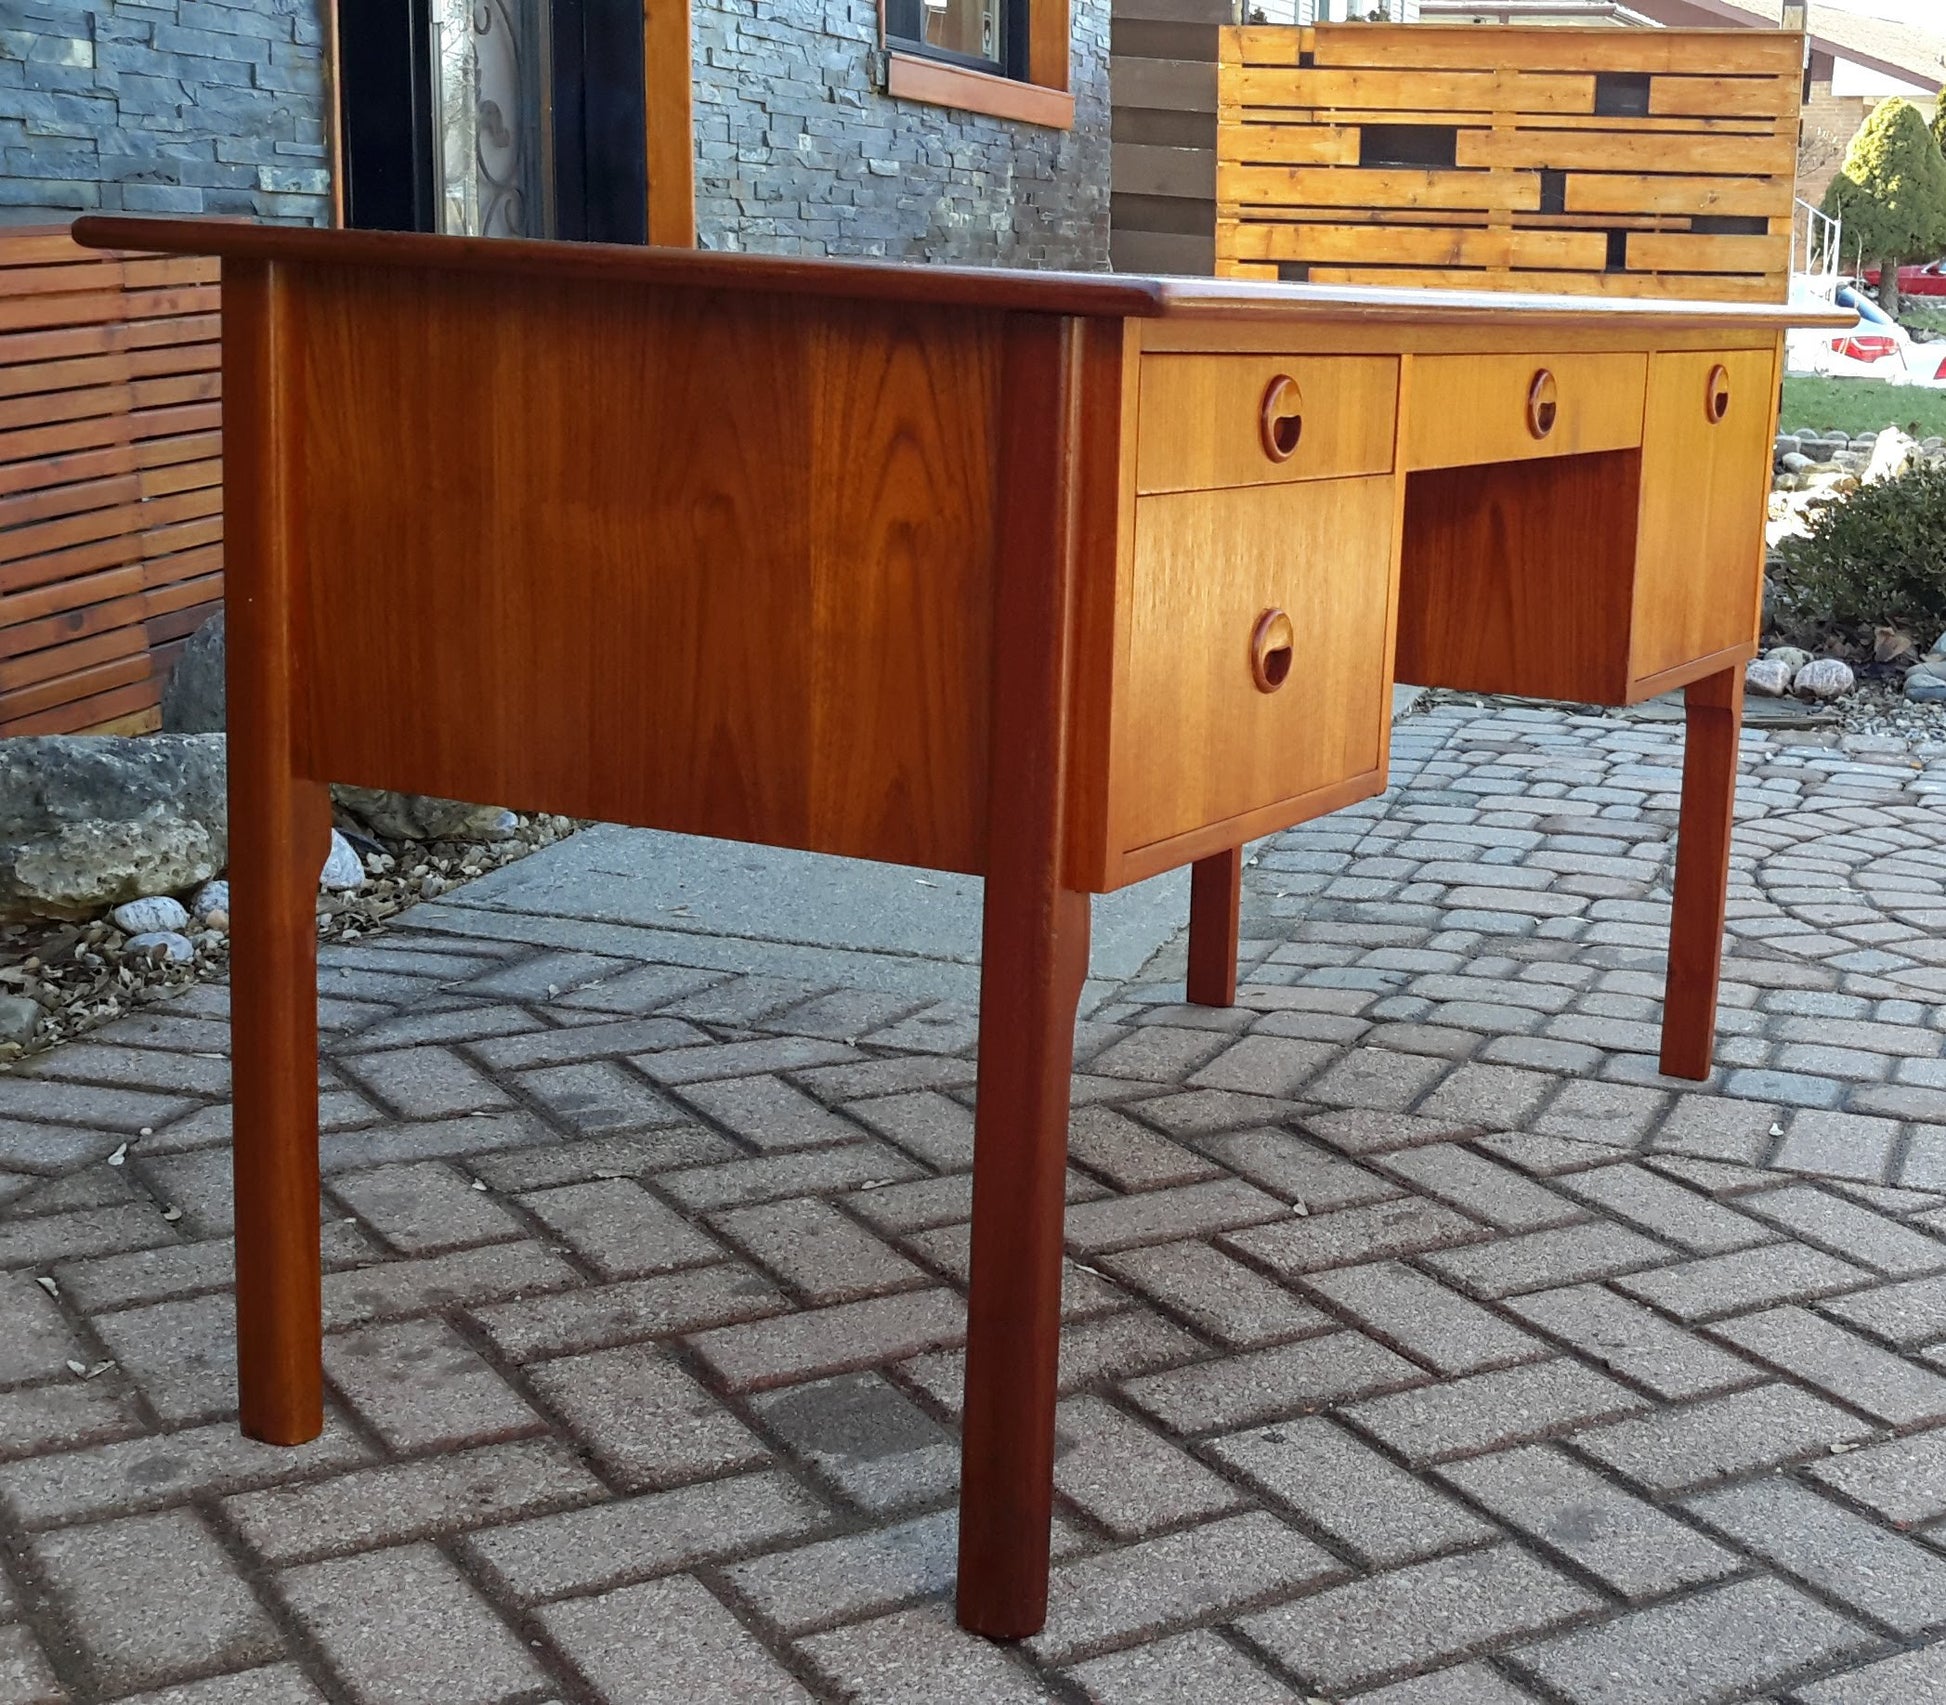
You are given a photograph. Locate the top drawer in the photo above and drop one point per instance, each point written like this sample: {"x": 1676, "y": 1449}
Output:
{"x": 1468, "y": 409}
{"x": 1210, "y": 421}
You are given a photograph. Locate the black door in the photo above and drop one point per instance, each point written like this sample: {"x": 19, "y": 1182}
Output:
{"x": 494, "y": 117}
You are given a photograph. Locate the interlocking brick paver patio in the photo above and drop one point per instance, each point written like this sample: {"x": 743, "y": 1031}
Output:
{"x": 1424, "y": 1345}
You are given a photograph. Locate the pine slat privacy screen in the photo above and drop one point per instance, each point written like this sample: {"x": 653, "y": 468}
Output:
{"x": 1625, "y": 162}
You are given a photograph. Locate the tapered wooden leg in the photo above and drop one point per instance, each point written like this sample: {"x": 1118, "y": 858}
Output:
{"x": 1035, "y": 958}
{"x": 279, "y": 833}
{"x": 1713, "y": 715}
{"x": 1034, "y": 949}
{"x": 1215, "y": 902}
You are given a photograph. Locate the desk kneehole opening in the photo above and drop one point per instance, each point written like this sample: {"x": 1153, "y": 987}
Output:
{"x": 1543, "y": 404}
{"x": 1273, "y": 644}
{"x": 1716, "y": 396}
{"x": 1281, "y": 424}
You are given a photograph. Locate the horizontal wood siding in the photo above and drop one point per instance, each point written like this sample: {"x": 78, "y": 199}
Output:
{"x": 1600, "y": 161}
{"x": 1163, "y": 83}
{"x": 111, "y": 479}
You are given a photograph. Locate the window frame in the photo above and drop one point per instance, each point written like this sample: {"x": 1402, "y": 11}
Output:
{"x": 1037, "y": 94}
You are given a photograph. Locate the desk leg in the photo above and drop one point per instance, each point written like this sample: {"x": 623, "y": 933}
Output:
{"x": 1713, "y": 716}
{"x": 1034, "y": 958}
{"x": 279, "y": 830}
{"x": 1215, "y": 902}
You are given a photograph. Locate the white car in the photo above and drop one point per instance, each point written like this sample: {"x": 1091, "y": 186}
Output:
{"x": 1876, "y": 346}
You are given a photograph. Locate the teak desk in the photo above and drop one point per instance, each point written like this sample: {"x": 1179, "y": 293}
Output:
{"x": 1057, "y": 580}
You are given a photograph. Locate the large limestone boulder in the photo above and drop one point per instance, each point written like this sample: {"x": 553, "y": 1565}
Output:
{"x": 92, "y": 820}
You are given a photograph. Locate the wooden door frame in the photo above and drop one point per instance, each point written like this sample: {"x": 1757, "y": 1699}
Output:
{"x": 668, "y": 94}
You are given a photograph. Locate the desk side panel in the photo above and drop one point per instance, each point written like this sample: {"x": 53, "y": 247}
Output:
{"x": 704, "y": 562}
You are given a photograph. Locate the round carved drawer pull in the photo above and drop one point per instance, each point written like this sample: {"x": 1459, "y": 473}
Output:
{"x": 1543, "y": 404}
{"x": 1716, "y": 398}
{"x": 1282, "y": 423}
{"x": 1272, "y": 643}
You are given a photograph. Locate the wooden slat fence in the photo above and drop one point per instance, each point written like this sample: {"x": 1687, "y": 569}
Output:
{"x": 111, "y": 479}
{"x": 1627, "y": 162}
{"x": 1162, "y": 76}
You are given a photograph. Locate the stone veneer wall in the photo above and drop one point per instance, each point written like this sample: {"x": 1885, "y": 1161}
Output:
{"x": 800, "y": 151}
{"x": 162, "y": 106}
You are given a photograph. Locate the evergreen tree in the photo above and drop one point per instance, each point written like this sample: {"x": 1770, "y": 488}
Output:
{"x": 1939, "y": 122}
{"x": 1891, "y": 194}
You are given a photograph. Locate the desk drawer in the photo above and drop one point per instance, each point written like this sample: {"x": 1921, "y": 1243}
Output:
{"x": 1469, "y": 409}
{"x": 1213, "y": 725}
{"x": 1209, "y": 421}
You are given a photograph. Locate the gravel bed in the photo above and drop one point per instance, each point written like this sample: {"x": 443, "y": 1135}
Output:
{"x": 81, "y": 976}
{"x": 1877, "y": 708}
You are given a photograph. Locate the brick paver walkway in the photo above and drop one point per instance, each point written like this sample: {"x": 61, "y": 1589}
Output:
{"x": 1424, "y": 1346}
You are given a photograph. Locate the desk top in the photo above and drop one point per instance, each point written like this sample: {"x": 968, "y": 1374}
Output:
{"x": 1095, "y": 295}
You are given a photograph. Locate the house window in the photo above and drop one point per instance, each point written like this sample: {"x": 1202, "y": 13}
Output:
{"x": 1005, "y": 58}
{"x": 965, "y": 32}
{"x": 495, "y": 118}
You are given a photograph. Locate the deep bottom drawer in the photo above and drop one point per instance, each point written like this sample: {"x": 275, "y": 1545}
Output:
{"x": 1257, "y": 668}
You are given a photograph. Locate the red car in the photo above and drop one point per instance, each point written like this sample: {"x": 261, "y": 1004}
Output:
{"x": 1927, "y": 280}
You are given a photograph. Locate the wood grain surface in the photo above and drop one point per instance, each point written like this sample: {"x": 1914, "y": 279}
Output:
{"x": 1033, "y": 959}
{"x": 1197, "y": 745}
{"x": 1516, "y": 577}
{"x": 1202, "y": 415}
{"x": 1215, "y": 906}
{"x": 279, "y": 831}
{"x": 1713, "y": 720}
{"x": 1601, "y": 133}
{"x": 720, "y": 564}
{"x": 1700, "y": 553}
{"x": 1470, "y": 409}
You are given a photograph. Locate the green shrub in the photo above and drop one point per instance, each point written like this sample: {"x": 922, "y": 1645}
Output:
{"x": 1879, "y": 556}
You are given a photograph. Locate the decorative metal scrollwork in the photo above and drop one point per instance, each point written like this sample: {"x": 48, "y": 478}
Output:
{"x": 490, "y": 116}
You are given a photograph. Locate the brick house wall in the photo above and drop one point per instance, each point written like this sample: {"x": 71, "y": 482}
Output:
{"x": 799, "y": 150}
{"x": 167, "y": 106}
{"x": 1829, "y": 123}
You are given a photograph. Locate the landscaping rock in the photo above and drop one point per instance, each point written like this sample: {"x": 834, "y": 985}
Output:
{"x": 161, "y": 944}
{"x": 193, "y": 698}
{"x": 1823, "y": 678}
{"x": 1790, "y": 656}
{"x": 1925, "y": 683}
{"x": 343, "y": 869}
{"x": 20, "y": 1019}
{"x": 1767, "y": 679}
{"x": 1893, "y": 454}
{"x": 211, "y": 897}
{"x": 421, "y": 817}
{"x": 91, "y": 820}
{"x": 1890, "y": 646}
{"x": 1794, "y": 461}
{"x": 142, "y": 917}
